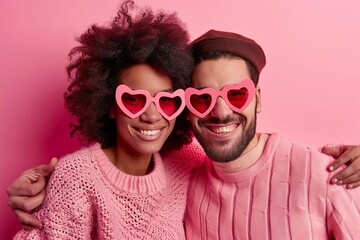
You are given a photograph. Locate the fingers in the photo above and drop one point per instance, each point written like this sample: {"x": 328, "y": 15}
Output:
{"x": 51, "y": 165}
{"x": 27, "y": 204}
{"x": 25, "y": 188}
{"x": 27, "y": 220}
{"x": 344, "y": 154}
{"x": 333, "y": 151}
{"x": 353, "y": 181}
{"x": 46, "y": 170}
{"x": 350, "y": 182}
{"x": 350, "y": 175}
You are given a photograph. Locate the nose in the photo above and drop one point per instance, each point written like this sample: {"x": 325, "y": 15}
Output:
{"x": 151, "y": 114}
{"x": 221, "y": 110}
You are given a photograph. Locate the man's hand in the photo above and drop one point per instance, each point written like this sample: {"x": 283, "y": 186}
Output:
{"x": 27, "y": 193}
{"x": 350, "y": 156}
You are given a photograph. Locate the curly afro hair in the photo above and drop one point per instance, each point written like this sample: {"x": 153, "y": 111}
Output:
{"x": 135, "y": 36}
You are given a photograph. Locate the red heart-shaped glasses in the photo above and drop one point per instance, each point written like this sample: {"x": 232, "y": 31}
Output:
{"x": 236, "y": 96}
{"x": 135, "y": 102}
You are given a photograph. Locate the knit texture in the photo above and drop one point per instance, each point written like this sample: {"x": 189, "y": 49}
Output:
{"x": 89, "y": 198}
{"x": 285, "y": 195}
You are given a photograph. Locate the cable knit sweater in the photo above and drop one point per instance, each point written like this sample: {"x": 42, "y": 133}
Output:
{"x": 89, "y": 198}
{"x": 284, "y": 195}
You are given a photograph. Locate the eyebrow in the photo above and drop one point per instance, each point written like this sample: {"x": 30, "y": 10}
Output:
{"x": 201, "y": 88}
{"x": 167, "y": 90}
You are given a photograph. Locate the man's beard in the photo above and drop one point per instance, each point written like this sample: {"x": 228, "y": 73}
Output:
{"x": 232, "y": 152}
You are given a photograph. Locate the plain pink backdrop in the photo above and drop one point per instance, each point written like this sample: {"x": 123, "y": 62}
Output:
{"x": 310, "y": 85}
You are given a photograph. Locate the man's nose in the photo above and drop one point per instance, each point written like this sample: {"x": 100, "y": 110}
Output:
{"x": 221, "y": 110}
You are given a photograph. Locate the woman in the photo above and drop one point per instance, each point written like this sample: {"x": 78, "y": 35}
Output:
{"x": 126, "y": 90}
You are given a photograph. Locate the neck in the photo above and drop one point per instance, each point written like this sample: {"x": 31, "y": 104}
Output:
{"x": 130, "y": 163}
{"x": 252, "y": 144}
{"x": 247, "y": 158}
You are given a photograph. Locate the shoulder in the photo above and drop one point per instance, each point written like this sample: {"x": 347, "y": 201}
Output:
{"x": 298, "y": 149}
{"x": 74, "y": 177}
{"x": 191, "y": 154}
{"x": 83, "y": 156}
{"x": 301, "y": 156}
{"x": 76, "y": 165}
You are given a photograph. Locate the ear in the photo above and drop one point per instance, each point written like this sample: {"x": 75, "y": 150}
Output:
{"x": 258, "y": 99}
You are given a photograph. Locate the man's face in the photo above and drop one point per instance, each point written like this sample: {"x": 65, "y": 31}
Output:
{"x": 223, "y": 133}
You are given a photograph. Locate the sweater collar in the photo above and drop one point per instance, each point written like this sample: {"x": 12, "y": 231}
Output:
{"x": 236, "y": 171}
{"x": 151, "y": 183}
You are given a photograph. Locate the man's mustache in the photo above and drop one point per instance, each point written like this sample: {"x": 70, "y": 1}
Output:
{"x": 229, "y": 119}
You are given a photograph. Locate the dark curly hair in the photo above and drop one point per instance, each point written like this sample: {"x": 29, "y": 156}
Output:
{"x": 138, "y": 37}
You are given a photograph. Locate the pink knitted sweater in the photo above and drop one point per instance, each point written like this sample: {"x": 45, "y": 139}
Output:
{"x": 89, "y": 198}
{"x": 285, "y": 195}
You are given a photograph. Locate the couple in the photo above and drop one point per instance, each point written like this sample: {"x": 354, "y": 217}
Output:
{"x": 143, "y": 178}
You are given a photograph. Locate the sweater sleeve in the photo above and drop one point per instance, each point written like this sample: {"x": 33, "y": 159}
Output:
{"x": 66, "y": 209}
{"x": 343, "y": 212}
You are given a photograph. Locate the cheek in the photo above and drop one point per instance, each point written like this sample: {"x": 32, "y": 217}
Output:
{"x": 249, "y": 110}
{"x": 194, "y": 120}
{"x": 172, "y": 124}
{"x": 122, "y": 122}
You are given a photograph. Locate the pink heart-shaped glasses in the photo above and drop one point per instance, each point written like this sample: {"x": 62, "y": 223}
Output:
{"x": 135, "y": 102}
{"x": 236, "y": 96}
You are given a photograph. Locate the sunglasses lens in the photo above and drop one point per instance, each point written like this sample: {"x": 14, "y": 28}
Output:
{"x": 133, "y": 103}
{"x": 201, "y": 102}
{"x": 169, "y": 105}
{"x": 238, "y": 97}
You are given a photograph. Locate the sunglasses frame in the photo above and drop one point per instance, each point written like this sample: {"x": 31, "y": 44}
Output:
{"x": 247, "y": 83}
{"x": 121, "y": 89}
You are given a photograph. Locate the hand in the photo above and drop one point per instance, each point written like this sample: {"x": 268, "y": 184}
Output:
{"x": 27, "y": 193}
{"x": 350, "y": 156}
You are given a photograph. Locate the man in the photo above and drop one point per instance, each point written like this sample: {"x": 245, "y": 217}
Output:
{"x": 224, "y": 134}
{"x": 254, "y": 185}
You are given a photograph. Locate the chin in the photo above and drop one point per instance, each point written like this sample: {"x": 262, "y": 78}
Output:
{"x": 149, "y": 149}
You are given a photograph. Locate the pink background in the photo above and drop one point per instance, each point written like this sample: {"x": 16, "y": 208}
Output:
{"x": 309, "y": 86}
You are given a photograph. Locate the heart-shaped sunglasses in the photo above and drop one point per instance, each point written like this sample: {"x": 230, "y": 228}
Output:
{"x": 236, "y": 96}
{"x": 135, "y": 102}
{"x": 170, "y": 104}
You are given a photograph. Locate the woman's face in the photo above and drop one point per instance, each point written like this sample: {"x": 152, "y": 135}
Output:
{"x": 146, "y": 133}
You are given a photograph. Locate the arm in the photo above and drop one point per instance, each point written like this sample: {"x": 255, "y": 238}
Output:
{"x": 66, "y": 211}
{"x": 27, "y": 193}
{"x": 349, "y": 156}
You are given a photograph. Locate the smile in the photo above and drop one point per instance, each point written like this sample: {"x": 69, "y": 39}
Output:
{"x": 222, "y": 129}
{"x": 149, "y": 132}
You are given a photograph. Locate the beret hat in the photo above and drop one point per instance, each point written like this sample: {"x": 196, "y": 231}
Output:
{"x": 234, "y": 43}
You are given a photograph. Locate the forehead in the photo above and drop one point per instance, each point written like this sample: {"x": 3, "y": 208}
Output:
{"x": 219, "y": 73}
{"x": 145, "y": 77}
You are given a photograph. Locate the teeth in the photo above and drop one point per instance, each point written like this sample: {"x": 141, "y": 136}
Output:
{"x": 225, "y": 129}
{"x": 149, "y": 132}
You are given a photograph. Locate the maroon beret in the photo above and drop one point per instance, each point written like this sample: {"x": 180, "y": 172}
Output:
{"x": 237, "y": 44}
